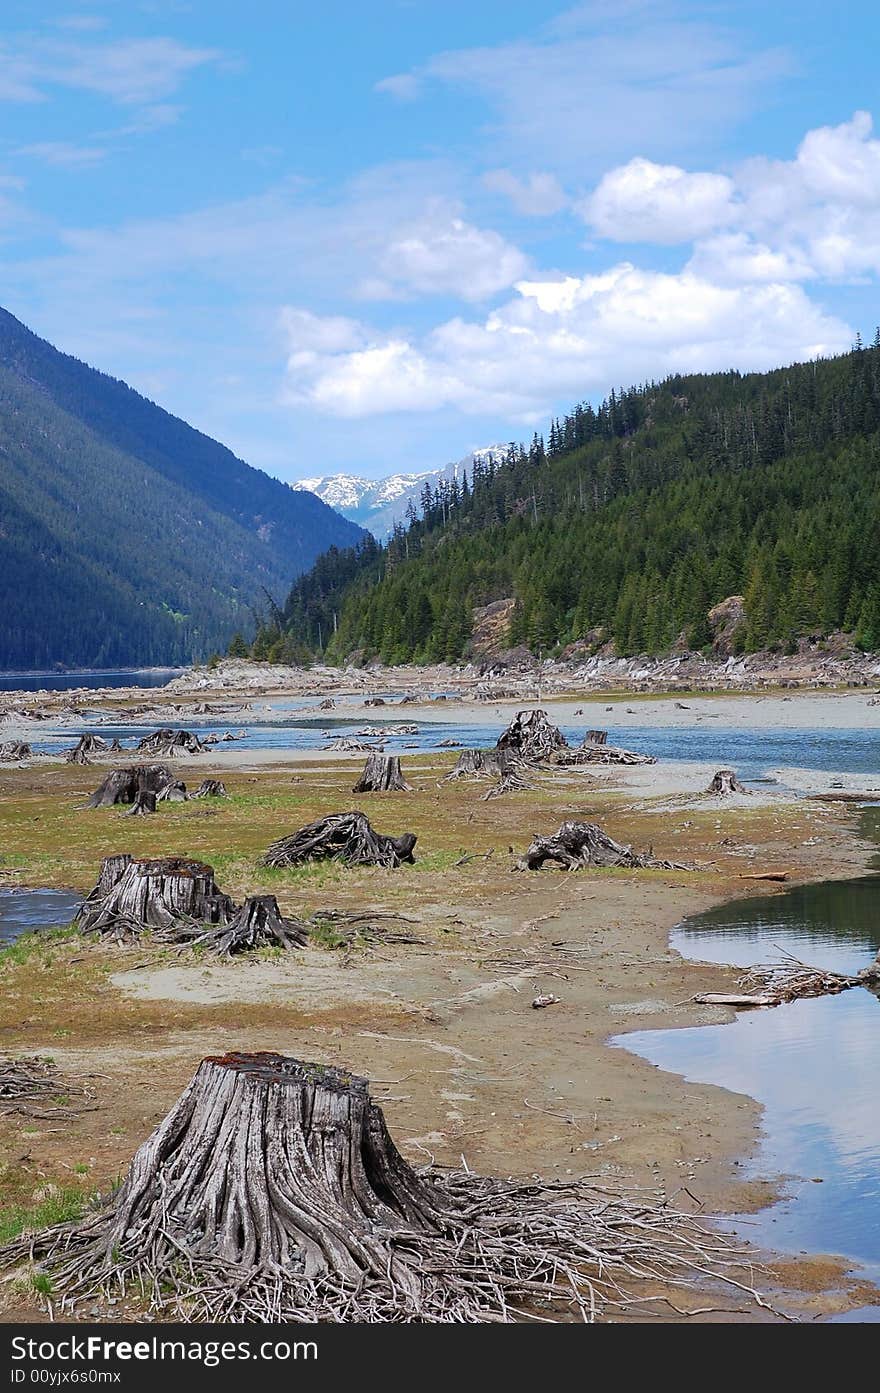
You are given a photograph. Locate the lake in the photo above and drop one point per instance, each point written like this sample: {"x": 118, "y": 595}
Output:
{"x": 68, "y": 681}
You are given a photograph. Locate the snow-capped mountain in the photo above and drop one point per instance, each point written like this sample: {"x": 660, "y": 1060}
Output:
{"x": 379, "y": 503}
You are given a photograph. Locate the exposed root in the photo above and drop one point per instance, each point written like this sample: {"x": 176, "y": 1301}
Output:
{"x": 33, "y": 1086}
{"x": 344, "y": 837}
{"x": 579, "y": 844}
{"x": 273, "y": 1192}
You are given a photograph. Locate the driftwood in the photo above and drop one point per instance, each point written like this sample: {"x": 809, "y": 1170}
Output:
{"x": 14, "y": 749}
{"x": 273, "y": 1192}
{"x": 725, "y": 783}
{"x": 259, "y": 923}
{"x": 171, "y": 742}
{"x": 33, "y": 1086}
{"x": 133, "y": 895}
{"x": 764, "y": 875}
{"x": 344, "y": 837}
{"x": 123, "y": 785}
{"x": 734, "y": 999}
{"x": 143, "y": 805}
{"x": 382, "y": 774}
{"x": 374, "y": 701}
{"x": 600, "y": 752}
{"x": 531, "y": 736}
{"x": 579, "y": 844}
{"x": 210, "y": 788}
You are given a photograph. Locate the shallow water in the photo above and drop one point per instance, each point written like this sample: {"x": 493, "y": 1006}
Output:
{"x": 22, "y": 911}
{"x": 755, "y": 754}
{"x": 812, "y": 1064}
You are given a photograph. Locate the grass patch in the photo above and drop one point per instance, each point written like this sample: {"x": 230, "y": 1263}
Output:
{"x": 59, "y": 1207}
{"x": 29, "y": 944}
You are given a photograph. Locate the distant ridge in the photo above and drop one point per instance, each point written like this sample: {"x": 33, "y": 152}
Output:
{"x": 127, "y": 537}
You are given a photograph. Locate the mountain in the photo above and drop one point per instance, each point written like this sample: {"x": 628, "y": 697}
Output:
{"x": 378, "y": 504}
{"x": 630, "y": 524}
{"x": 126, "y": 536}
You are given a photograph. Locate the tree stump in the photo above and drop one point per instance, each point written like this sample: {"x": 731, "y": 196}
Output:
{"x": 596, "y": 737}
{"x": 210, "y": 788}
{"x": 133, "y": 895}
{"x": 382, "y": 774}
{"x": 14, "y": 749}
{"x": 273, "y": 1192}
{"x": 173, "y": 792}
{"x": 725, "y": 782}
{"x": 344, "y": 837}
{"x": 143, "y": 805}
{"x": 532, "y": 736}
{"x": 86, "y": 745}
{"x": 259, "y": 923}
{"x": 578, "y": 844}
{"x": 328, "y": 704}
{"x": 123, "y": 785}
{"x": 171, "y": 742}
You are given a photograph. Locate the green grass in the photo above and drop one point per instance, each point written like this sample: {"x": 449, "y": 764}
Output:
{"x": 31, "y": 943}
{"x": 59, "y": 1208}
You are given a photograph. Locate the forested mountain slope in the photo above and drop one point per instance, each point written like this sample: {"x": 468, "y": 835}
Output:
{"x": 126, "y": 536}
{"x": 630, "y": 522}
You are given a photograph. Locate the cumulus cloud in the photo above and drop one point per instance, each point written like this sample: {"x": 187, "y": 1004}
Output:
{"x": 570, "y": 336}
{"x": 441, "y": 254}
{"x": 646, "y": 202}
{"x": 538, "y": 196}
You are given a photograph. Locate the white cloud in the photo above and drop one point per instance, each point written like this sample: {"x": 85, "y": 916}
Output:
{"x": 441, "y": 254}
{"x": 126, "y": 71}
{"x": 570, "y": 97}
{"x": 646, "y": 202}
{"x": 405, "y": 87}
{"x": 571, "y": 336}
{"x": 63, "y": 153}
{"x": 538, "y": 196}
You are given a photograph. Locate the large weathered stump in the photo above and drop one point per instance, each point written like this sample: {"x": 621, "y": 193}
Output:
{"x": 382, "y": 774}
{"x": 11, "y": 750}
{"x": 533, "y": 737}
{"x": 273, "y": 1191}
{"x": 123, "y": 785}
{"x": 143, "y": 805}
{"x": 341, "y": 837}
{"x": 133, "y": 895}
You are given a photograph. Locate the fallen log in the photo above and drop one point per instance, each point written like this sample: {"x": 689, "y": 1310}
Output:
{"x": 764, "y": 875}
{"x": 724, "y": 783}
{"x": 734, "y": 999}
{"x": 601, "y": 753}
{"x": 382, "y": 774}
{"x": 579, "y": 844}
{"x": 273, "y": 1192}
{"x": 344, "y": 837}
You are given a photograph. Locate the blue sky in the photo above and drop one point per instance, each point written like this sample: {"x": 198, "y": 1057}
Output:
{"x": 369, "y": 237}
